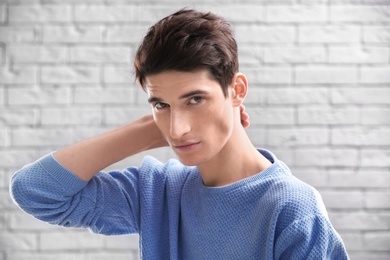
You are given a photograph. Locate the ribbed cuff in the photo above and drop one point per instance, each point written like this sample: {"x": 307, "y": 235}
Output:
{"x": 69, "y": 182}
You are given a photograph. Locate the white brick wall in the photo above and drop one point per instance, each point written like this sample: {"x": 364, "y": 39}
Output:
{"x": 319, "y": 74}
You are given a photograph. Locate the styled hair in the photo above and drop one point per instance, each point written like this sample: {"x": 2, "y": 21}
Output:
{"x": 186, "y": 41}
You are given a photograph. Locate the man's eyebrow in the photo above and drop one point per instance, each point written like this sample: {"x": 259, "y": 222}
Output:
{"x": 154, "y": 100}
{"x": 194, "y": 93}
{"x": 186, "y": 95}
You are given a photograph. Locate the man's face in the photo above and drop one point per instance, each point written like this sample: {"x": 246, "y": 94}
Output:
{"x": 192, "y": 113}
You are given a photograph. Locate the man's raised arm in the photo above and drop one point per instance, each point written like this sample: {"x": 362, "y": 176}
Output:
{"x": 88, "y": 157}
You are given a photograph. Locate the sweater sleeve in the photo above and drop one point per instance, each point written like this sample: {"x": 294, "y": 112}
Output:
{"x": 310, "y": 238}
{"x": 107, "y": 204}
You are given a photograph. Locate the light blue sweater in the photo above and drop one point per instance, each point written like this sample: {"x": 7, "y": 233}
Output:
{"x": 271, "y": 215}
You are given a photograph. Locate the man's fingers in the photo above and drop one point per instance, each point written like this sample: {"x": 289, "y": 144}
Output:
{"x": 244, "y": 117}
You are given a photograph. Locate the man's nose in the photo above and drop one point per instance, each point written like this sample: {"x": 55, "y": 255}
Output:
{"x": 180, "y": 125}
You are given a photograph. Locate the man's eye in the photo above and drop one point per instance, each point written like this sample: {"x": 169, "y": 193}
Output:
{"x": 160, "y": 105}
{"x": 195, "y": 100}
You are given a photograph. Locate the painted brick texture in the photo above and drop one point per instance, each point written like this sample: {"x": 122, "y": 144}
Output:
{"x": 319, "y": 98}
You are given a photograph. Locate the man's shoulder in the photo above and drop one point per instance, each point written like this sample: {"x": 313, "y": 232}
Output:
{"x": 292, "y": 196}
{"x": 171, "y": 170}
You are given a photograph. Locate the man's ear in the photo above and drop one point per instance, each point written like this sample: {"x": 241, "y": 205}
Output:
{"x": 240, "y": 89}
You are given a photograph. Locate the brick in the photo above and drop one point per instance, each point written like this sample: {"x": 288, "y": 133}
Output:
{"x": 297, "y": 13}
{"x": 22, "y": 2}
{"x": 368, "y": 95}
{"x": 71, "y": 116}
{"x": 120, "y": 115}
{"x": 360, "y": 136}
{"x": 320, "y": 115}
{"x": 132, "y": 255}
{"x": 36, "y": 96}
{"x": 299, "y": 95}
{"x": 117, "y": 74}
{"x": 343, "y": 199}
{"x": 112, "y": 95}
{"x": 2, "y": 57}
{"x": 15, "y": 255}
{"x": 269, "y": 75}
{"x": 325, "y": 75}
{"x": 70, "y": 1}
{"x": 100, "y": 54}
{"x": 255, "y": 96}
{"x": 297, "y": 136}
{"x": 284, "y": 155}
{"x": 152, "y": 12}
{"x": 20, "y": 241}
{"x": 13, "y": 34}
{"x": 123, "y": 242}
{"x": 316, "y": 177}
{"x": 375, "y": 158}
{"x": 4, "y": 181}
{"x": 66, "y": 74}
{"x": 257, "y": 135}
{"x": 375, "y": 116}
{"x": 294, "y": 55}
{"x": 326, "y": 157}
{"x": 36, "y": 54}
{"x": 375, "y": 74}
{"x": 84, "y": 132}
{"x": 271, "y": 116}
{"x": 234, "y": 13}
{"x": 17, "y": 75}
{"x": 358, "y": 55}
{"x": 18, "y": 117}
{"x": 6, "y": 202}
{"x": 20, "y": 221}
{"x": 370, "y": 255}
{"x": 360, "y": 221}
{"x": 360, "y": 13}
{"x": 329, "y": 34}
{"x": 4, "y": 138}
{"x": 377, "y": 241}
{"x": 3, "y": 14}
{"x": 2, "y": 222}
{"x": 70, "y": 241}
{"x": 140, "y": 13}
{"x": 264, "y": 34}
{"x": 27, "y": 137}
{"x": 105, "y": 13}
{"x": 39, "y": 13}
{"x": 125, "y": 33}
{"x": 250, "y": 54}
{"x": 376, "y": 34}
{"x": 72, "y": 34}
{"x": 2, "y": 96}
{"x": 339, "y": 178}
{"x": 377, "y": 200}
{"x": 353, "y": 240}
{"x": 373, "y": 2}
{"x": 7, "y": 175}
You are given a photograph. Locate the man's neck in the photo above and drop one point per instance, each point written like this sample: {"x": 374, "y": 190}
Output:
{"x": 238, "y": 160}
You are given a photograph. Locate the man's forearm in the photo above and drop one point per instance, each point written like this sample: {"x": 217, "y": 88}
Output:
{"x": 88, "y": 157}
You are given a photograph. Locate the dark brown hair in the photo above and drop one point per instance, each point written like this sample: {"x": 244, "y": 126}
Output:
{"x": 186, "y": 41}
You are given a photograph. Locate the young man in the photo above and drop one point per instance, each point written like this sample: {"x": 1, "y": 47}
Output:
{"x": 222, "y": 198}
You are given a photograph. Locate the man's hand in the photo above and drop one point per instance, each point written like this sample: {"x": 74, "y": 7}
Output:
{"x": 244, "y": 117}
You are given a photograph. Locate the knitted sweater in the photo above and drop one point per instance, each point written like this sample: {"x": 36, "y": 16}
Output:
{"x": 271, "y": 215}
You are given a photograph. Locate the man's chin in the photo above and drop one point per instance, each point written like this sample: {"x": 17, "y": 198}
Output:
{"x": 186, "y": 160}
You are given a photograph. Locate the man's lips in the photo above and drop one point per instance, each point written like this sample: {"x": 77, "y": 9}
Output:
{"x": 186, "y": 145}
